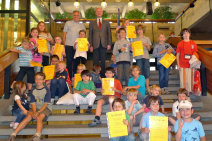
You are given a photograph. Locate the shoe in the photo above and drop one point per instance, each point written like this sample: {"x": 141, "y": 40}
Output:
{"x": 94, "y": 123}
{"x": 166, "y": 91}
{"x": 12, "y": 138}
{"x": 15, "y": 125}
{"x": 89, "y": 110}
{"x": 36, "y": 138}
{"x": 12, "y": 124}
{"x": 77, "y": 111}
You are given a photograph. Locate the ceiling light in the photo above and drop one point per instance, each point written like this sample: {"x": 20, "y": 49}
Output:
{"x": 103, "y": 4}
{"x": 130, "y": 3}
{"x": 76, "y": 4}
{"x": 157, "y": 3}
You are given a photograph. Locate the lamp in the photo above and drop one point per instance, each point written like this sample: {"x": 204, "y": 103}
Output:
{"x": 130, "y": 3}
{"x": 76, "y": 4}
{"x": 157, "y": 3}
{"x": 103, "y": 4}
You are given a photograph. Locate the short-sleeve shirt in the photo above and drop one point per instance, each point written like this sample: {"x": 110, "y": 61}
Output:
{"x": 24, "y": 103}
{"x": 186, "y": 48}
{"x": 81, "y": 85}
{"x": 136, "y": 107}
{"x": 40, "y": 97}
{"x": 145, "y": 119}
{"x": 118, "y": 86}
{"x": 80, "y": 53}
{"x": 147, "y": 98}
{"x": 175, "y": 108}
{"x": 24, "y": 57}
{"x": 147, "y": 41}
{"x": 140, "y": 81}
{"x": 191, "y": 131}
{"x": 72, "y": 29}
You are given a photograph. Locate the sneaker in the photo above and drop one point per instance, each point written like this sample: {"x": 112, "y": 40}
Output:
{"x": 36, "y": 138}
{"x": 166, "y": 91}
{"x": 89, "y": 110}
{"x": 12, "y": 124}
{"x": 94, "y": 123}
{"x": 15, "y": 125}
{"x": 77, "y": 111}
{"x": 12, "y": 138}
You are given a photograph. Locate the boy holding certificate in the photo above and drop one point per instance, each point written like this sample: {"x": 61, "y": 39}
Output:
{"x": 187, "y": 128}
{"x": 107, "y": 99}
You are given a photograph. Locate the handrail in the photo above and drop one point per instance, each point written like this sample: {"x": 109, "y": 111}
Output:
{"x": 7, "y": 59}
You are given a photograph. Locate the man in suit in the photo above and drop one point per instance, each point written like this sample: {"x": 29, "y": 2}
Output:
{"x": 100, "y": 39}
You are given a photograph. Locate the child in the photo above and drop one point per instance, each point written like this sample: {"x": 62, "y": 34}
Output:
{"x": 58, "y": 83}
{"x": 154, "y": 106}
{"x": 154, "y": 91}
{"x": 119, "y": 105}
{"x": 187, "y": 128}
{"x": 21, "y": 106}
{"x": 133, "y": 107}
{"x": 122, "y": 53}
{"x": 25, "y": 56}
{"x": 113, "y": 64}
{"x": 84, "y": 93}
{"x": 137, "y": 82}
{"x": 43, "y": 34}
{"x": 80, "y": 68}
{"x": 143, "y": 60}
{"x": 80, "y": 56}
{"x": 96, "y": 78}
{"x": 58, "y": 40}
{"x": 159, "y": 51}
{"x": 40, "y": 98}
{"x": 106, "y": 99}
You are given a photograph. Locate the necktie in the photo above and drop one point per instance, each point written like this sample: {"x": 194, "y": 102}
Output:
{"x": 100, "y": 24}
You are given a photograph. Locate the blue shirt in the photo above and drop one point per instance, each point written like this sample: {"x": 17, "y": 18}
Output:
{"x": 140, "y": 81}
{"x": 135, "y": 108}
{"x": 24, "y": 57}
{"x": 145, "y": 119}
{"x": 191, "y": 131}
{"x": 95, "y": 77}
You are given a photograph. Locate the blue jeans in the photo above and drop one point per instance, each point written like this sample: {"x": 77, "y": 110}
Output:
{"x": 19, "y": 115}
{"x": 58, "y": 86}
{"x": 130, "y": 137}
{"x": 163, "y": 76}
{"x": 144, "y": 66}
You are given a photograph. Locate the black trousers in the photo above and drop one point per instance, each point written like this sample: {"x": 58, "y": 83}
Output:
{"x": 70, "y": 59}
{"x": 77, "y": 61}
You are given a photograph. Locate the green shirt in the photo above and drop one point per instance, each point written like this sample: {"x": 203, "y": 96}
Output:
{"x": 81, "y": 85}
{"x": 127, "y": 117}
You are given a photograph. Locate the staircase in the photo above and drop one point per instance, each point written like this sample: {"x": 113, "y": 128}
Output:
{"x": 64, "y": 125}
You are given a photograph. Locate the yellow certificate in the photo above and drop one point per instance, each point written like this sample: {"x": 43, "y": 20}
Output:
{"x": 137, "y": 47}
{"x": 82, "y": 44}
{"x": 35, "y": 64}
{"x": 58, "y": 50}
{"x": 131, "y": 32}
{"x": 42, "y": 45}
{"x": 158, "y": 128}
{"x": 49, "y": 72}
{"x": 116, "y": 127}
{"x": 107, "y": 85}
{"x": 77, "y": 78}
{"x": 167, "y": 60}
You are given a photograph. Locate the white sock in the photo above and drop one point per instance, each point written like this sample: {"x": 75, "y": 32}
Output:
{"x": 13, "y": 134}
{"x": 38, "y": 134}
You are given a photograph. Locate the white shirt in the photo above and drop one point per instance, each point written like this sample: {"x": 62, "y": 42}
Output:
{"x": 175, "y": 108}
{"x": 80, "y": 53}
{"x": 98, "y": 21}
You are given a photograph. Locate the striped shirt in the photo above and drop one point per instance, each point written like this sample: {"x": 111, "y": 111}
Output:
{"x": 24, "y": 57}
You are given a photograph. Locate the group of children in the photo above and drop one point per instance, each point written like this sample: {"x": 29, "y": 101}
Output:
{"x": 138, "y": 106}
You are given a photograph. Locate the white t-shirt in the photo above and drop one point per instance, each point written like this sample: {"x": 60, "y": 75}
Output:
{"x": 175, "y": 108}
{"x": 80, "y": 53}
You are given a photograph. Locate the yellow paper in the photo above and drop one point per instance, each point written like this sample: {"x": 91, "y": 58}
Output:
{"x": 167, "y": 60}
{"x": 158, "y": 128}
{"x": 107, "y": 85}
{"x": 42, "y": 45}
{"x": 35, "y": 64}
{"x": 131, "y": 32}
{"x": 77, "y": 78}
{"x": 137, "y": 48}
{"x": 49, "y": 72}
{"x": 82, "y": 44}
{"x": 116, "y": 127}
{"x": 58, "y": 50}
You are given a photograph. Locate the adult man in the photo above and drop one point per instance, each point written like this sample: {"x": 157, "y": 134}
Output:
{"x": 70, "y": 34}
{"x": 100, "y": 39}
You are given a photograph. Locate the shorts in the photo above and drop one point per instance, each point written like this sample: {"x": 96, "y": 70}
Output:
{"x": 106, "y": 99}
{"x": 30, "y": 74}
{"x": 46, "y": 112}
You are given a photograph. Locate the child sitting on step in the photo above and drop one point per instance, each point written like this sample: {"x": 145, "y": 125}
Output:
{"x": 96, "y": 77}
{"x": 40, "y": 99}
{"x": 21, "y": 106}
{"x": 84, "y": 93}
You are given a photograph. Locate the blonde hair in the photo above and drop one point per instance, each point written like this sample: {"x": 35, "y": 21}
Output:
{"x": 154, "y": 87}
{"x": 25, "y": 40}
{"x": 135, "y": 67}
{"x": 82, "y": 65}
{"x": 45, "y": 31}
{"x": 132, "y": 91}
{"x": 62, "y": 62}
{"x": 161, "y": 34}
{"x": 140, "y": 27}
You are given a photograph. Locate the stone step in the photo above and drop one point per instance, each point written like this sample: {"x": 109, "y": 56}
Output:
{"x": 66, "y": 139}
{"x": 176, "y": 82}
{"x": 171, "y": 77}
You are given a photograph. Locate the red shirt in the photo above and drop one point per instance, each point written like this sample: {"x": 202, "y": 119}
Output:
{"x": 186, "y": 48}
{"x": 118, "y": 86}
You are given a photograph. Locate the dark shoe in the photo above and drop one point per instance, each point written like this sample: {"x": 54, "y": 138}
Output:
{"x": 94, "y": 123}
{"x": 89, "y": 110}
{"x": 77, "y": 111}
{"x": 12, "y": 138}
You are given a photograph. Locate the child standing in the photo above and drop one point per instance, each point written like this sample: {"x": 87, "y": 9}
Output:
{"x": 107, "y": 99}
{"x": 187, "y": 128}
{"x": 40, "y": 98}
{"x": 21, "y": 106}
{"x": 122, "y": 52}
{"x": 25, "y": 56}
{"x": 159, "y": 51}
{"x": 96, "y": 77}
{"x": 58, "y": 40}
{"x": 80, "y": 56}
{"x": 137, "y": 82}
{"x": 84, "y": 93}
{"x": 113, "y": 64}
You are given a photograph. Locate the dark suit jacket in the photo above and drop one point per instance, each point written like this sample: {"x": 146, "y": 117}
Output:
{"x": 103, "y": 35}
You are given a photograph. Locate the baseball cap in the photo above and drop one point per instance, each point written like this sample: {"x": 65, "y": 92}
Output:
{"x": 185, "y": 104}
